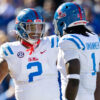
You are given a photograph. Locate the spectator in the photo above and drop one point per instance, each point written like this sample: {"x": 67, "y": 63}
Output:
{"x": 7, "y": 13}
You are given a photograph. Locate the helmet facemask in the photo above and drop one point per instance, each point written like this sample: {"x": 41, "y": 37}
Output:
{"x": 59, "y": 27}
{"x": 33, "y": 30}
{"x": 56, "y": 28}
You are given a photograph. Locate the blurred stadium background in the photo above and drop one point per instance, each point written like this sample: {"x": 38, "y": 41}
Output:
{"x": 10, "y": 8}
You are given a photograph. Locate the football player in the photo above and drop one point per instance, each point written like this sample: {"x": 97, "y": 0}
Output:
{"x": 31, "y": 61}
{"x": 79, "y": 49}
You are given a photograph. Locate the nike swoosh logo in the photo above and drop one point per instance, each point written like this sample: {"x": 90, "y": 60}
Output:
{"x": 43, "y": 52}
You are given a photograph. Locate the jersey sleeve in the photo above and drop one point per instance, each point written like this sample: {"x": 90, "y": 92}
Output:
{"x": 54, "y": 41}
{"x": 70, "y": 48}
{"x": 6, "y": 53}
{"x": 3, "y": 53}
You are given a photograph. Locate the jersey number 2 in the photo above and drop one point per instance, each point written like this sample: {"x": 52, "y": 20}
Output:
{"x": 33, "y": 74}
{"x": 94, "y": 64}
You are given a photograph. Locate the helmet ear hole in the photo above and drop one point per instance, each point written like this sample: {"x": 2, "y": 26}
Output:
{"x": 62, "y": 23}
{"x": 66, "y": 6}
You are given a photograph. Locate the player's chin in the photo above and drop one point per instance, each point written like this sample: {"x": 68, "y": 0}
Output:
{"x": 35, "y": 37}
{"x": 32, "y": 36}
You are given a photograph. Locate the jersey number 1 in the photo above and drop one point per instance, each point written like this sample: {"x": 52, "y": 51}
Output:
{"x": 94, "y": 64}
{"x": 37, "y": 73}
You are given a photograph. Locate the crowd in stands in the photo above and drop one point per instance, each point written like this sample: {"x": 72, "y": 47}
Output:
{"x": 10, "y": 8}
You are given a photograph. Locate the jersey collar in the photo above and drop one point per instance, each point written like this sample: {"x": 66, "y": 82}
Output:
{"x": 30, "y": 47}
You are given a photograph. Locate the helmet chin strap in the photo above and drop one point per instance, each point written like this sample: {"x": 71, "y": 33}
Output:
{"x": 30, "y": 46}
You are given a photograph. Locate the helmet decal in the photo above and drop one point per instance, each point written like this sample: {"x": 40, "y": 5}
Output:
{"x": 35, "y": 13}
{"x": 80, "y": 13}
{"x": 37, "y": 20}
{"x": 29, "y": 20}
{"x": 61, "y": 14}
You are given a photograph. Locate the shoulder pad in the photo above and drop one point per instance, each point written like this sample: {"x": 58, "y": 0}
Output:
{"x": 72, "y": 41}
{"x": 54, "y": 41}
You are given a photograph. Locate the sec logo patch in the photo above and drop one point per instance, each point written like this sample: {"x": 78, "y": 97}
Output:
{"x": 20, "y": 54}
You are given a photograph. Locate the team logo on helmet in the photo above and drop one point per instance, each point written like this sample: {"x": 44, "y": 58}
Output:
{"x": 61, "y": 14}
{"x": 37, "y": 20}
{"x": 20, "y": 54}
{"x": 29, "y": 20}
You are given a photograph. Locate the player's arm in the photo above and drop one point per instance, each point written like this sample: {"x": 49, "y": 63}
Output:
{"x": 3, "y": 69}
{"x": 97, "y": 92}
{"x": 73, "y": 71}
